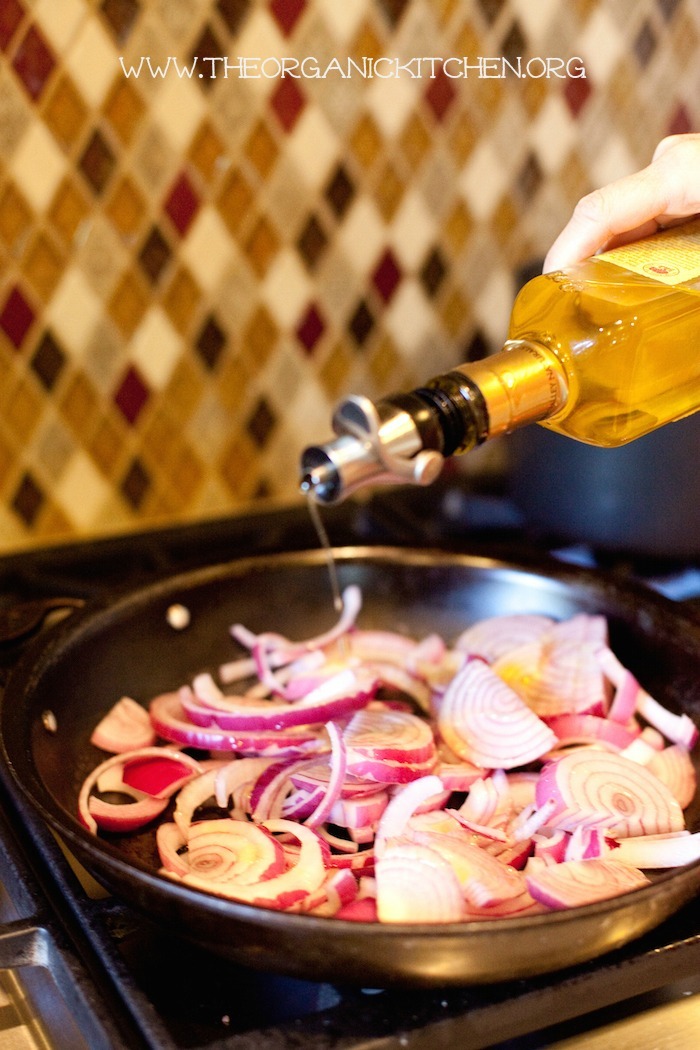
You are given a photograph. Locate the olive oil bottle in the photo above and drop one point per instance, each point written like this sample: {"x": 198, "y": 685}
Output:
{"x": 603, "y": 352}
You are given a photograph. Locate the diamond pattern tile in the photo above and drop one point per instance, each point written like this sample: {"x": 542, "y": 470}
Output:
{"x": 197, "y": 261}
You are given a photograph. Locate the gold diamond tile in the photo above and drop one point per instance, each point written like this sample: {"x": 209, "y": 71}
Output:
{"x": 235, "y": 201}
{"x": 126, "y": 208}
{"x": 65, "y": 112}
{"x": 335, "y": 371}
{"x": 261, "y": 149}
{"x": 207, "y": 153}
{"x": 366, "y": 43}
{"x": 259, "y": 338}
{"x": 124, "y": 109}
{"x": 415, "y": 141}
{"x": 184, "y": 390}
{"x": 384, "y": 362}
{"x": 181, "y": 299}
{"x": 79, "y": 406}
{"x": 237, "y": 466}
{"x": 235, "y": 377}
{"x": 455, "y": 313}
{"x": 52, "y": 523}
{"x": 366, "y": 141}
{"x": 261, "y": 246}
{"x": 389, "y": 191}
{"x": 186, "y": 474}
{"x": 15, "y": 217}
{"x": 43, "y": 265}
{"x": 8, "y": 460}
{"x": 22, "y": 409}
{"x": 458, "y": 226}
{"x": 128, "y": 303}
{"x": 463, "y": 138}
{"x": 68, "y": 210}
{"x": 106, "y": 445}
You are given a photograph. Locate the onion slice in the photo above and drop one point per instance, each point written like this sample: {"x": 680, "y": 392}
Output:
{"x": 484, "y": 721}
{"x": 577, "y": 882}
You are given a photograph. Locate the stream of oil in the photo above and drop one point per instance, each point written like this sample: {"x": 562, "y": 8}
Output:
{"x": 328, "y": 550}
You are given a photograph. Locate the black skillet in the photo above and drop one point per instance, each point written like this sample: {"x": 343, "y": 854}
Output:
{"x": 77, "y": 669}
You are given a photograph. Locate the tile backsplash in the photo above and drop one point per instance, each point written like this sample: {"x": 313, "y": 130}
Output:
{"x": 219, "y": 216}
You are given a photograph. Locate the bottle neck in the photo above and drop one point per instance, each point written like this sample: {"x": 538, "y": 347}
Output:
{"x": 524, "y": 383}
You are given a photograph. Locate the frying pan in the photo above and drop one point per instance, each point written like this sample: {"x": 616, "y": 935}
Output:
{"x": 78, "y": 669}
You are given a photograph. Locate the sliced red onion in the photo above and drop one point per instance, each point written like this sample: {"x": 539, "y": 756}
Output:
{"x": 125, "y": 817}
{"x": 679, "y": 729}
{"x": 338, "y": 764}
{"x": 483, "y": 879}
{"x": 234, "y": 782}
{"x": 657, "y": 851}
{"x": 495, "y": 636}
{"x": 586, "y": 729}
{"x": 485, "y": 721}
{"x": 169, "y": 842}
{"x": 578, "y": 882}
{"x": 402, "y": 806}
{"x": 359, "y": 813}
{"x": 602, "y": 789}
{"x": 125, "y": 727}
{"x": 416, "y": 885}
{"x": 674, "y": 767}
{"x": 338, "y": 696}
{"x": 168, "y": 717}
{"x": 120, "y": 760}
{"x": 396, "y": 736}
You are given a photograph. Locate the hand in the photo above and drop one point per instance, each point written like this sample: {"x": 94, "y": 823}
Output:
{"x": 664, "y": 193}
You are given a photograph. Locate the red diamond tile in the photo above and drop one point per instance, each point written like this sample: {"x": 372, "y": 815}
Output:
{"x": 182, "y": 204}
{"x": 440, "y": 94}
{"x": 286, "y": 13}
{"x": 680, "y": 122}
{"x": 34, "y": 62}
{"x": 132, "y": 395}
{"x": 310, "y": 329}
{"x": 576, "y": 93}
{"x": 11, "y": 12}
{"x": 386, "y": 276}
{"x": 16, "y": 317}
{"x": 287, "y": 101}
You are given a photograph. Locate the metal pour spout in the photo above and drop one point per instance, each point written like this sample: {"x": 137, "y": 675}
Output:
{"x": 382, "y": 443}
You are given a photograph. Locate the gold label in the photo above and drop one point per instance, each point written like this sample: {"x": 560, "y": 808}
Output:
{"x": 670, "y": 256}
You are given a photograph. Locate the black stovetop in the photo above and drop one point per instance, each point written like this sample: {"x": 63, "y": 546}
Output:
{"x": 126, "y": 983}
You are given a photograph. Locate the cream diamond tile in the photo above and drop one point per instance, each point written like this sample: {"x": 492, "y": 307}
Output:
{"x": 178, "y": 109}
{"x": 493, "y": 305}
{"x": 259, "y": 39}
{"x": 208, "y": 248}
{"x": 73, "y": 311}
{"x": 613, "y": 162}
{"x": 601, "y": 45}
{"x": 38, "y": 165}
{"x": 286, "y": 289}
{"x": 81, "y": 491}
{"x": 412, "y": 231}
{"x": 484, "y": 180}
{"x": 411, "y": 323}
{"x": 155, "y": 348}
{"x": 553, "y": 134}
{"x": 391, "y": 102}
{"x": 60, "y": 19}
{"x": 92, "y": 62}
{"x": 313, "y": 147}
{"x": 362, "y": 235}
{"x": 535, "y": 19}
{"x": 343, "y": 20}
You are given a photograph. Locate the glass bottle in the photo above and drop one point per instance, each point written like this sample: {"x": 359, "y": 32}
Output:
{"x": 603, "y": 352}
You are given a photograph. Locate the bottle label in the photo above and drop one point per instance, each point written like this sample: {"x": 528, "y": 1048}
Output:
{"x": 670, "y": 256}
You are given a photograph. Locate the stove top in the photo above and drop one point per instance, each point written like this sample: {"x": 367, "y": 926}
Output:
{"x": 103, "y": 976}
